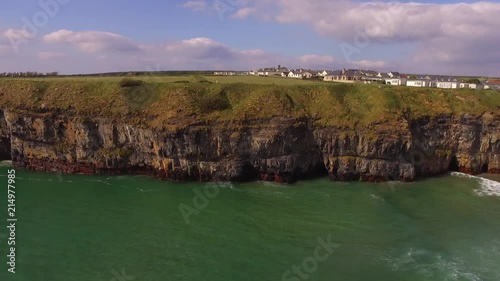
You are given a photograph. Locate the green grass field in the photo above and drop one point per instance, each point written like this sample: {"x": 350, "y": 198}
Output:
{"x": 172, "y": 102}
{"x": 177, "y": 78}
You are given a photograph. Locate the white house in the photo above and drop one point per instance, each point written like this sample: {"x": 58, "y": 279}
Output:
{"x": 394, "y": 74}
{"x": 420, "y": 83}
{"x": 323, "y": 73}
{"x": 493, "y": 84}
{"x": 297, "y": 75}
{"x": 468, "y": 86}
{"x": 231, "y": 73}
{"x": 448, "y": 83}
{"x": 395, "y": 81}
{"x": 415, "y": 83}
{"x": 273, "y": 73}
{"x": 307, "y": 74}
{"x": 331, "y": 76}
{"x": 383, "y": 75}
{"x": 370, "y": 79}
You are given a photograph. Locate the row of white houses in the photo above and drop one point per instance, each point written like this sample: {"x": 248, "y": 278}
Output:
{"x": 445, "y": 83}
{"x": 368, "y": 77}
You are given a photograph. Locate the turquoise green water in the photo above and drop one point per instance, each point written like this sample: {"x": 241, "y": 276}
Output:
{"x": 97, "y": 228}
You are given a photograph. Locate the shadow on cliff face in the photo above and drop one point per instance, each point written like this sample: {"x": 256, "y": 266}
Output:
{"x": 5, "y": 149}
{"x": 453, "y": 167}
{"x": 247, "y": 173}
{"x": 5, "y": 146}
{"x": 484, "y": 168}
{"x": 314, "y": 172}
{"x": 318, "y": 171}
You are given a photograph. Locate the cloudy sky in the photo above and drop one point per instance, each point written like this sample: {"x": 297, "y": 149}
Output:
{"x": 86, "y": 36}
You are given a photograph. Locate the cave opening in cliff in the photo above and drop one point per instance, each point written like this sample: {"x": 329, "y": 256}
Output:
{"x": 454, "y": 167}
{"x": 317, "y": 171}
{"x": 247, "y": 173}
{"x": 484, "y": 168}
{"x": 5, "y": 149}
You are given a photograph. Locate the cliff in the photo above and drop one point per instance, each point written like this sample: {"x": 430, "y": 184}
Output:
{"x": 304, "y": 132}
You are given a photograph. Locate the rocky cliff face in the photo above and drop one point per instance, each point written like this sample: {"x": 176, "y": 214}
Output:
{"x": 4, "y": 138}
{"x": 280, "y": 150}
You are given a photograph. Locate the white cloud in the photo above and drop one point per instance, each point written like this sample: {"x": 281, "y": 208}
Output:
{"x": 195, "y": 5}
{"x": 17, "y": 34}
{"x": 11, "y": 38}
{"x": 384, "y": 21}
{"x": 206, "y": 53}
{"x": 451, "y": 36}
{"x": 243, "y": 13}
{"x": 92, "y": 41}
{"x": 198, "y": 53}
{"x": 368, "y": 64}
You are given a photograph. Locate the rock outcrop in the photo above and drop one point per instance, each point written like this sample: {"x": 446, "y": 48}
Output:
{"x": 4, "y": 138}
{"x": 282, "y": 150}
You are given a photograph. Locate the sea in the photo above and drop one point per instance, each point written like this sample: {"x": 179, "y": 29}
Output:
{"x": 133, "y": 228}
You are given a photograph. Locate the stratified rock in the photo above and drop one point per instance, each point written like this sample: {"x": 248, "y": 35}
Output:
{"x": 277, "y": 149}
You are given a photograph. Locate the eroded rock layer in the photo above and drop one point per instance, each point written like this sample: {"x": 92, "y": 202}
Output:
{"x": 281, "y": 150}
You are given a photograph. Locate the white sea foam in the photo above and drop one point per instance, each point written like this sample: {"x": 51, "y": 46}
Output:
{"x": 273, "y": 184}
{"x": 487, "y": 187}
{"x": 222, "y": 185}
{"x": 6, "y": 163}
{"x": 429, "y": 264}
{"x": 377, "y": 197}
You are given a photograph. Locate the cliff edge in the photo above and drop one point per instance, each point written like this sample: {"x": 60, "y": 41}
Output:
{"x": 244, "y": 132}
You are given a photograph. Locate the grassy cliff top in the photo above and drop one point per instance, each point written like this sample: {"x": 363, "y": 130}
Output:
{"x": 180, "y": 101}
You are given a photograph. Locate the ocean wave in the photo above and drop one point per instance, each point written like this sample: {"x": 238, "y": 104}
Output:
{"x": 432, "y": 266}
{"x": 487, "y": 187}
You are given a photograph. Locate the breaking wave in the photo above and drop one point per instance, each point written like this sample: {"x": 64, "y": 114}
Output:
{"x": 487, "y": 187}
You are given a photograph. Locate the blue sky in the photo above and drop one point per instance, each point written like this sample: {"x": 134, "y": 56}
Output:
{"x": 78, "y": 36}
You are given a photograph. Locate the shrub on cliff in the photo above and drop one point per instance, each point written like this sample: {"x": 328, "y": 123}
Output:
{"x": 141, "y": 96}
{"x": 128, "y": 82}
{"x": 213, "y": 102}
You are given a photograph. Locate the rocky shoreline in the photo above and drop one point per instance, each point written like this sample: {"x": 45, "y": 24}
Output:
{"x": 281, "y": 150}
